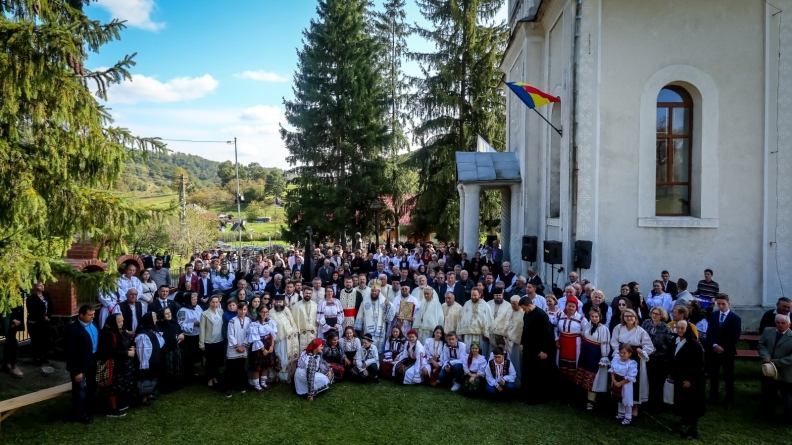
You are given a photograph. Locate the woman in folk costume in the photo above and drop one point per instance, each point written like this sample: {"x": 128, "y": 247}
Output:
{"x": 189, "y": 317}
{"x": 429, "y": 315}
{"x": 262, "y": 334}
{"x": 629, "y": 333}
{"x": 407, "y": 370}
{"x": 333, "y": 354}
{"x": 568, "y": 334}
{"x": 475, "y": 369}
{"x": 592, "y": 371}
{"x": 148, "y": 341}
{"x": 393, "y": 348}
{"x": 117, "y": 350}
{"x": 313, "y": 375}
{"x": 110, "y": 305}
{"x": 433, "y": 347}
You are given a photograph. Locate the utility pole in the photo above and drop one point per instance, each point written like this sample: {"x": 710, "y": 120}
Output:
{"x": 182, "y": 199}
{"x": 239, "y": 208}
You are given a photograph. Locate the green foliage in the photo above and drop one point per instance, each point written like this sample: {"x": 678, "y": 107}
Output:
{"x": 276, "y": 185}
{"x": 210, "y": 197}
{"x": 339, "y": 116}
{"x": 254, "y": 210}
{"x": 176, "y": 183}
{"x": 155, "y": 172}
{"x": 60, "y": 155}
{"x": 455, "y": 99}
{"x": 226, "y": 171}
{"x": 257, "y": 172}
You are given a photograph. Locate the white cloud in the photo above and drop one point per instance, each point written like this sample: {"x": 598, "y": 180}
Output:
{"x": 137, "y": 13}
{"x": 262, "y": 76}
{"x": 148, "y": 89}
{"x": 262, "y": 113}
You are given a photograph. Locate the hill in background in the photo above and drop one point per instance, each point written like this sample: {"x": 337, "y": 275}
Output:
{"x": 155, "y": 173}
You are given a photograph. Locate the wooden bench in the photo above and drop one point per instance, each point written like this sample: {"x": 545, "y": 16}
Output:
{"x": 747, "y": 353}
{"x": 10, "y": 406}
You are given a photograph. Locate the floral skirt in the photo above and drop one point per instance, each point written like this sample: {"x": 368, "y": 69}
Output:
{"x": 123, "y": 379}
{"x": 172, "y": 363}
{"x": 338, "y": 370}
{"x": 468, "y": 387}
{"x": 260, "y": 362}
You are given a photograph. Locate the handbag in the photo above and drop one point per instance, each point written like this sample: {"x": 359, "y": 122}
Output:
{"x": 146, "y": 388}
{"x": 668, "y": 392}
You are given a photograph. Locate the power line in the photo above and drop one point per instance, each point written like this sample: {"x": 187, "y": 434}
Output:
{"x": 188, "y": 140}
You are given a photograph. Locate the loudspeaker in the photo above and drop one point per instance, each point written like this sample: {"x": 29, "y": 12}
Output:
{"x": 552, "y": 252}
{"x": 490, "y": 239}
{"x": 583, "y": 254}
{"x": 529, "y": 248}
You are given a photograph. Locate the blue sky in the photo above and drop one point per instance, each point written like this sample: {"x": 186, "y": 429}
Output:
{"x": 209, "y": 70}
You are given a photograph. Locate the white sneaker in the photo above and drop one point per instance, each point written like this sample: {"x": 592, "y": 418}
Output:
{"x": 456, "y": 387}
{"x": 251, "y": 382}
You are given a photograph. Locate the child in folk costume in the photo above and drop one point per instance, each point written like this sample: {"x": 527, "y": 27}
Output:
{"x": 367, "y": 359}
{"x": 592, "y": 371}
{"x": 407, "y": 370}
{"x": 500, "y": 374}
{"x": 350, "y": 346}
{"x": 393, "y": 348}
{"x": 475, "y": 369}
{"x": 262, "y": 335}
{"x": 623, "y": 372}
{"x": 433, "y": 346}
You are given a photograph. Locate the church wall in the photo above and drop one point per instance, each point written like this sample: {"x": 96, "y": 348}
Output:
{"x": 725, "y": 40}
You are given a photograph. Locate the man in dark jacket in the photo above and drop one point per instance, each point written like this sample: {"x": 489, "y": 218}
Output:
{"x": 723, "y": 332}
{"x": 132, "y": 310}
{"x": 162, "y": 302}
{"x": 83, "y": 339}
{"x": 783, "y": 307}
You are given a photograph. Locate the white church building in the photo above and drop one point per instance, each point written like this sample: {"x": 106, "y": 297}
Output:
{"x": 675, "y": 146}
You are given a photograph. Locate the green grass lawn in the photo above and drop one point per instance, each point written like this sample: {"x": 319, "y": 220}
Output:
{"x": 378, "y": 414}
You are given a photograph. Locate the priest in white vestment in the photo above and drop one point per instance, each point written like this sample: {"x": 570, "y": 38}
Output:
{"x": 404, "y": 317}
{"x": 375, "y": 315}
{"x": 429, "y": 315}
{"x": 475, "y": 323}
{"x": 514, "y": 336}
{"x": 500, "y": 317}
{"x": 451, "y": 313}
{"x": 304, "y": 312}
{"x": 423, "y": 284}
{"x": 287, "y": 346}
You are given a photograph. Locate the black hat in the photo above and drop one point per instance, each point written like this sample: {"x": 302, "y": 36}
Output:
{"x": 368, "y": 337}
{"x": 497, "y": 290}
{"x": 279, "y": 297}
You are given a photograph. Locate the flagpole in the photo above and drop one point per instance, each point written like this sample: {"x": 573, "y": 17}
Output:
{"x": 548, "y": 122}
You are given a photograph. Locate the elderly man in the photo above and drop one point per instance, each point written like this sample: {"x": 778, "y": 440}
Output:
{"x": 775, "y": 346}
{"x": 519, "y": 287}
{"x": 783, "y": 307}
{"x": 513, "y": 336}
{"x": 304, "y": 313}
{"x": 276, "y": 286}
{"x": 241, "y": 285}
{"x": 573, "y": 279}
{"x": 452, "y": 311}
{"x": 467, "y": 283}
{"x": 508, "y": 277}
{"x": 132, "y": 310}
{"x": 535, "y": 279}
{"x": 476, "y": 322}
{"x": 429, "y": 315}
{"x": 325, "y": 272}
{"x": 318, "y": 291}
{"x": 501, "y": 312}
{"x": 406, "y": 308}
{"x": 423, "y": 284}
{"x": 569, "y": 291}
{"x": 375, "y": 315}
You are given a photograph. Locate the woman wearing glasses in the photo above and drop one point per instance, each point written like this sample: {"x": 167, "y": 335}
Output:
{"x": 629, "y": 333}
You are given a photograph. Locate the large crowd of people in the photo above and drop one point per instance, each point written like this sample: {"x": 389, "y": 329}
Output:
{"x": 415, "y": 315}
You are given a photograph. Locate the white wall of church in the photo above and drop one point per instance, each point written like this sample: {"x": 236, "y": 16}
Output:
{"x": 724, "y": 40}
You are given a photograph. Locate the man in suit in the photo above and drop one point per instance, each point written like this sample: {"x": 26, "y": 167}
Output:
{"x": 166, "y": 259}
{"x": 298, "y": 265}
{"x": 453, "y": 286}
{"x": 370, "y": 265}
{"x": 497, "y": 257}
{"x": 723, "y": 333}
{"x": 669, "y": 286}
{"x": 783, "y": 307}
{"x": 132, "y": 310}
{"x": 83, "y": 339}
{"x": 325, "y": 273}
{"x": 467, "y": 283}
{"x": 189, "y": 275}
{"x": 536, "y": 280}
{"x": 464, "y": 262}
{"x": 776, "y": 346}
{"x": 205, "y": 287}
{"x": 573, "y": 278}
{"x": 162, "y": 302}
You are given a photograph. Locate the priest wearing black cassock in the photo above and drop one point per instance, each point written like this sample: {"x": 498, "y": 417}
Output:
{"x": 539, "y": 369}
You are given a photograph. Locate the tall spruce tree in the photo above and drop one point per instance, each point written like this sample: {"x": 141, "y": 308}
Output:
{"x": 392, "y": 30}
{"x": 60, "y": 155}
{"x": 455, "y": 98}
{"x": 338, "y": 121}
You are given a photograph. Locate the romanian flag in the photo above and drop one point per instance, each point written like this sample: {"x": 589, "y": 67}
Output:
{"x": 532, "y": 96}
{"x": 278, "y": 202}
